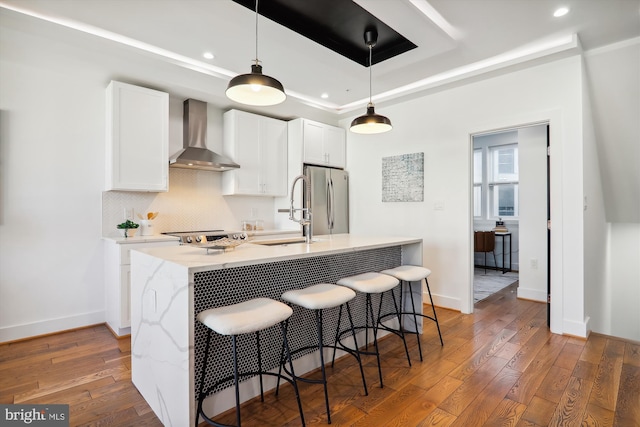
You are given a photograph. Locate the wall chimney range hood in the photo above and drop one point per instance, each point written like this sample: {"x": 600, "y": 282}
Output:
{"x": 195, "y": 154}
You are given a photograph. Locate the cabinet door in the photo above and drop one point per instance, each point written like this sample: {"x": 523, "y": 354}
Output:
{"x": 137, "y": 138}
{"x": 323, "y": 144}
{"x": 334, "y": 146}
{"x": 313, "y": 144}
{"x": 118, "y": 282}
{"x": 248, "y": 155}
{"x": 259, "y": 145}
{"x": 125, "y": 296}
{"x": 273, "y": 148}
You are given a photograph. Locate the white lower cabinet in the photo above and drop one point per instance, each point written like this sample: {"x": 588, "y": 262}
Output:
{"x": 117, "y": 272}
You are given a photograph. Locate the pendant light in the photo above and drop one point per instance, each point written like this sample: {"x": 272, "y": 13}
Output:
{"x": 370, "y": 122}
{"x": 256, "y": 88}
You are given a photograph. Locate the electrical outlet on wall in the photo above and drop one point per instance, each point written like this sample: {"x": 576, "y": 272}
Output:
{"x": 128, "y": 214}
{"x": 254, "y": 213}
{"x": 534, "y": 264}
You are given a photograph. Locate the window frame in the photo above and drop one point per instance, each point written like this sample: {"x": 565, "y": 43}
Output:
{"x": 490, "y": 184}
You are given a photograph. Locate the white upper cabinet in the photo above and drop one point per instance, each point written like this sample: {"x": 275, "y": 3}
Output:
{"x": 259, "y": 145}
{"x": 137, "y": 138}
{"x": 322, "y": 144}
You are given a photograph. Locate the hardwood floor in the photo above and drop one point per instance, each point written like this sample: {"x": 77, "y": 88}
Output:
{"x": 499, "y": 367}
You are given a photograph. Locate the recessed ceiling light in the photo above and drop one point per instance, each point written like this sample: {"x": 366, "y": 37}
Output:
{"x": 561, "y": 12}
{"x": 208, "y": 55}
{"x": 324, "y": 95}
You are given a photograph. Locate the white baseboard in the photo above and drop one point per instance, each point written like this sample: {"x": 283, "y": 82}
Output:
{"x": 17, "y": 332}
{"x": 576, "y": 329}
{"x": 442, "y": 301}
{"x": 532, "y": 294}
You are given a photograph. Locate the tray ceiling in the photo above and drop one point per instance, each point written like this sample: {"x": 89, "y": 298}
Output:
{"x": 335, "y": 24}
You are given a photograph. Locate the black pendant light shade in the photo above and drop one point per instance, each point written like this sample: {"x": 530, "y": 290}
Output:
{"x": 370, "y": 122}
{"x": 255, "y": 88}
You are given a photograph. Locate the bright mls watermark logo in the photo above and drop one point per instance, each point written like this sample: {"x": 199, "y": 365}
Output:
{"x": 34, "y": 415}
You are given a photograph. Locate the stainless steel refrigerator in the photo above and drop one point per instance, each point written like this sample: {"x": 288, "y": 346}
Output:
{"x": 329, "y": 199}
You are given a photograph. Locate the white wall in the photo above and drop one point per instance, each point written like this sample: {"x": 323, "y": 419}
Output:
{"x": 440, "y": 124}
{"x": 612, "y": 189}
{"x": 52, "y": 167}
{"x": 622, "y": 317}
{"x": 614, "y": 89}
{"x": 595, "y": 226}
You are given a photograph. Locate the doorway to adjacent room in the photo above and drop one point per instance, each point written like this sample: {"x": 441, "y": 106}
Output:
{"x": 510, "y": 212}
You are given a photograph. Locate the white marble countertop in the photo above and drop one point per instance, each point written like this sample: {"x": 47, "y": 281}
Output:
{"x": 253, "y": 235}
{"x": 141, "y": 239}
{"x": 197, "y": 259}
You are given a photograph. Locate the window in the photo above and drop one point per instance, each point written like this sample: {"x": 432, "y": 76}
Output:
{"x": 503, "y": 183}
{"x": 495, "y": 182}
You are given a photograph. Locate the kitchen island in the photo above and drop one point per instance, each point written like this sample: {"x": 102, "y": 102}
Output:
{"x": 170, "y": 285}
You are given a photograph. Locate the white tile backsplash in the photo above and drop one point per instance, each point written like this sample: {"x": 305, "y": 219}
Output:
{"x": 193, "y": 202}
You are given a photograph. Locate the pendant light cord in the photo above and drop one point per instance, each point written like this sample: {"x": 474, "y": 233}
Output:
{"x": 257, "y": 62}
{"x": 370, "y": 67}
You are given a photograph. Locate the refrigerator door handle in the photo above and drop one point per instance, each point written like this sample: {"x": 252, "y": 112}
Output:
{"x": 330, "y": 201}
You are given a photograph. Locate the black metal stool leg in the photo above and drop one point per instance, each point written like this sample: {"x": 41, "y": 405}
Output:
{"x": 236, "y": 379}
{"x": 435, "y": 316}
{"x": 357, "y": 352}
{"x": 333, "y": 359}
{"x": 260, "y": 365}
{"x": 395, "y": 305}
{"x": 367, "y": 309}
{"x": 375, "y": 337}
{"x": 203, "y": 375}
{"x": 415, "y": 318}
{"x": 324, "y": 374}
{"x": 284, "y": 326}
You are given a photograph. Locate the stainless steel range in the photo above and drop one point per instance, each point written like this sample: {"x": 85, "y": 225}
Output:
{"x": 200, "y": 238}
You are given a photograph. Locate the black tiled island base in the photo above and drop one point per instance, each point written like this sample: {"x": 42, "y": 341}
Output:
{"x": 230, "y": 286}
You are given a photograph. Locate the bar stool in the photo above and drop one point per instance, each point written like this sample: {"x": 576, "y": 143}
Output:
{"x": 369, "y": 284}
{"x": 246, "y": 317}
{"x": 318, "y": 298}
{"x": 413, "y": 273}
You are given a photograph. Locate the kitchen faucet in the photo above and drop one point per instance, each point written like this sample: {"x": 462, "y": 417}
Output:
{"x": 306, "y": 212}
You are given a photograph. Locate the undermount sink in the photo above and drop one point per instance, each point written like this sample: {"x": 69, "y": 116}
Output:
{"x": 280, "y": 242}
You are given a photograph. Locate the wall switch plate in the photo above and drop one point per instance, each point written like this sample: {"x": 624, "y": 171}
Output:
{"x": 438, "y": 206}
{"x": 534, "y": 264}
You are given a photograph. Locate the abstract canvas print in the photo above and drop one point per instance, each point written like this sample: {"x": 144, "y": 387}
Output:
{"x": 403, "y": 178}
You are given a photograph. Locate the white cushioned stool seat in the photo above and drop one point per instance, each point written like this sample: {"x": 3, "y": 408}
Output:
{"x": 246, "y": 317}
{"x": 321, "y": 296}
{"x": 369, "y": 283}
{"x": 408, "y": 273}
